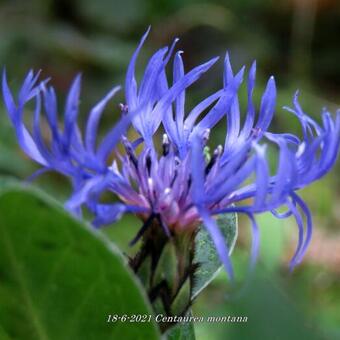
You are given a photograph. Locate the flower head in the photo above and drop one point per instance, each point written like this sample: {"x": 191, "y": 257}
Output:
{"x": 171, "y": 178}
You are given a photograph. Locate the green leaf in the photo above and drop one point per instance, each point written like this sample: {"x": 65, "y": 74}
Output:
{"x": 144, "y": 273}
{"x": 181, "y": 331}
{"x": 60, "y": 279}
{"x": 182, "y": 299}
{"x": 3, "y": 335}
{"x": 205, "y": 252}
{"x": 7, "y": 182}
{"x": 167, "y": 267}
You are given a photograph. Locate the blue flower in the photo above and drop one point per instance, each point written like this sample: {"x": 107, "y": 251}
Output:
{"x": 172, "y": 179}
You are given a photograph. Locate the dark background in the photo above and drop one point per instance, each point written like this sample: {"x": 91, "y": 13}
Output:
{"x": 295, "y": 40}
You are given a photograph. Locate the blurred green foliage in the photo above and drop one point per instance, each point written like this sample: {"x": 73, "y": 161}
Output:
{"x": 296, "y": 40}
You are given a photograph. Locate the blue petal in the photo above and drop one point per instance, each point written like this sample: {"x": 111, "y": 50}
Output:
{"x": 299, "y": 221}
{"x": 232, "y": 183}
{"x": 180, "y": 100}
{"x": 197, "y": 168}
{"x": 309, "y": 223}
{"x": 198, "y": 109}
{"x": 8, "y": 98}
{"x": 93, "y": 186}
{"x": 94, "y": 118}
{"x": 110, "y": 213}
{"x": 249, "y": 122}
{"x": 37, "y": 133}
{"x": 262, "y": 177}
{"x": 166, "y": 101}
{"x": 130, "y": 81}
{"x": 233, "y": 115}
{"x": 152, "y": 71}
{"x": 114, "y": 135}
{"x": 267, "y": 107}
{"x": 71, "y": 109}
{"x": 219, "y": 241}
{"x": 50, "y": 104}
{"x": 15, "y": 113}
{"x": 222, "y": 107}
{"x": 255, "y": 244}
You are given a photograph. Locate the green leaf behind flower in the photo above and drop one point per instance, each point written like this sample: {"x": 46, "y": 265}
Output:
{"x": 205, "y": 251}
{"x": 181, "y": 331}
